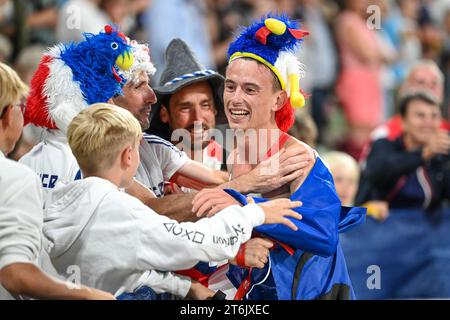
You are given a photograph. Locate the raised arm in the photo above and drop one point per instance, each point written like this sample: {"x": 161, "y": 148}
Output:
{"x": 168, "y": 245}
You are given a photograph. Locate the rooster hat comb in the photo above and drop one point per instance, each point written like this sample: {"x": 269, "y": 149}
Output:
{"x": 71, "y": 77}
{"x": 273, "y": 41}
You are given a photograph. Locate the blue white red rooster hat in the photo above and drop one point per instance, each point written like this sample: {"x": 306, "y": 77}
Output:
{"x": 273, "y": 41}
{"x": 141, "y": 62}
{"x": 71, "y": 77}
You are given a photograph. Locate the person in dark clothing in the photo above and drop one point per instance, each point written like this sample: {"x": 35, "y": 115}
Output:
{"x": 412, "y": 171}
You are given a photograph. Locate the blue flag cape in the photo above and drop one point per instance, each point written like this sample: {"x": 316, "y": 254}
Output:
{"x": 317, "y": 269}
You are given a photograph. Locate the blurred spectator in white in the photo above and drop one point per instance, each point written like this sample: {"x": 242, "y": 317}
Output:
{"x": 358, "y": 86}
{"x": 437, "y": 9}
{"x": 78, "y": 16}
{"x": 389, "y": 79}
{"x": 28, "y": 61}
{"x": 185, "y": 19}
{"x": 401, "y": 27}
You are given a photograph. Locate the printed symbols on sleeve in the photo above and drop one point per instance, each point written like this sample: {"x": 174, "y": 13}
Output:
{"x": 238, "y": 230}
{"x": 225, "y": 241}
{"x": 178, "y": 231}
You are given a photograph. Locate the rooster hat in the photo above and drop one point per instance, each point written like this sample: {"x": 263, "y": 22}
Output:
{"x": 71, "y": 77}
{"x": 273, "y": 41}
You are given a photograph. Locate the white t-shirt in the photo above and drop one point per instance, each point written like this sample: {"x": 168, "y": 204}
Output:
{"x": 160, "y": 159}
{"x": 21, "y": 219}
{"x": 53, "y": 161}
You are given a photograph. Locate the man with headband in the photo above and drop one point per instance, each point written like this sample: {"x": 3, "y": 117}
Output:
{"x": 261, "y": 90}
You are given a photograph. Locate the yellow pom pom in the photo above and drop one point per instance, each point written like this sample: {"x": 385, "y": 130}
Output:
{"x": 297, "y": 100}
{"x": 275, "y": 26}
{"x": 125, "y": 60}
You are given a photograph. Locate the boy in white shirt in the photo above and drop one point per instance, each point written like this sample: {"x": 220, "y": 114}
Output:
{"x": 113, "y": 236}
{"x": 25, "y": 269}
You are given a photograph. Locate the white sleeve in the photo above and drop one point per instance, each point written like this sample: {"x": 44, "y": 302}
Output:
{"x": 168, "y": 245}
{"x": 21, "y": 220}
{"x": 160, "y": 282}
{"x": 170, "y": 157}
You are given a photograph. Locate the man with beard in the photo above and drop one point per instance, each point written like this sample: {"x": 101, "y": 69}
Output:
{"x": 193, "y": 103}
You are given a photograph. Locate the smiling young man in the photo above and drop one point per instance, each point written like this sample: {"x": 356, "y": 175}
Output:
{"x": 261, "y": 89}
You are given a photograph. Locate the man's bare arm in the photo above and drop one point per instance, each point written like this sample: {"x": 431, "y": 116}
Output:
{"x": 176, "y": 206}
{"x": 286, "y": 166}
{"x": 29, "y": 280}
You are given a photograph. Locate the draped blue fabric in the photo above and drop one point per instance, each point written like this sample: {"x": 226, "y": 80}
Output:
{"x": 317, "y": 235}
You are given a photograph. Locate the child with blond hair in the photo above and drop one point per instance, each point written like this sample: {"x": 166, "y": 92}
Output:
{"x": 113, "y": 237}
{"x": 346, "y": 173}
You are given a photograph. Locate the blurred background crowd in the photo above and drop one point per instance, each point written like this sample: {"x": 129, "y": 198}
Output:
{"x": 358, "y": 58}
{"x": 348, "y": 65}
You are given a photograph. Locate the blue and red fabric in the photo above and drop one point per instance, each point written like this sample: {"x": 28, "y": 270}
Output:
{"x": 316, "y": 269}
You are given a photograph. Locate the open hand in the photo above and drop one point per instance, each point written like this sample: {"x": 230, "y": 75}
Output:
{"x": 280, "y": 169}
{"x": 277, "y": 210}
{"x": 211, "y": 201}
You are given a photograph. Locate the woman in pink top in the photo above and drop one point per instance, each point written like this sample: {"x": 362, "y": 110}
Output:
{"x": 358, "y": 85}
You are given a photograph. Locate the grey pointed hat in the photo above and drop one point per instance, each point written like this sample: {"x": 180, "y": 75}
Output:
{"x": 182, "y": 69}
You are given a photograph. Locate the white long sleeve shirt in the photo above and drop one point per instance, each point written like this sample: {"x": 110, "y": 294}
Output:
{"x": 21, "y": 217}
{"x": 111, "y": 235}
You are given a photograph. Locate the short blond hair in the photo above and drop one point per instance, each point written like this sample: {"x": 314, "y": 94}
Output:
{"x": 99, "y": 133}
{"x": 341, "y": 160}
{"x": 12, "y": 88}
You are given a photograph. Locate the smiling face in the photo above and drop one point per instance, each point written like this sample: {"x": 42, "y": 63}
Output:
{"x": 346, "y": 184}
{"x": 421, "y": 121}
{"x": 193, "y": 104}
{"x": 250, "y": 98}
{"x": 137, "y": 98}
